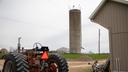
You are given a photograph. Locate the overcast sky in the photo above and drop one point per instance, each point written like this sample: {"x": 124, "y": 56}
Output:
{"x": 47, "y": 21}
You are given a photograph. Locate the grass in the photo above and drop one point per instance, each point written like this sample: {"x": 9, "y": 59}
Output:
{"x": 98, "y": 57}
{"x": 74, "y": 56}
{"x": 1, "y": 55}
{"x": 85, "y": 56}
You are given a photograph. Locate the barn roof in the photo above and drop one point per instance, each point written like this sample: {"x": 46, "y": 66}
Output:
{"x": 102, "y": 3}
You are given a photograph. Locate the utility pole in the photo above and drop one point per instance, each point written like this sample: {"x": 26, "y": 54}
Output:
{"x": 19, "y": 44}
{"x": 99, "y": 41}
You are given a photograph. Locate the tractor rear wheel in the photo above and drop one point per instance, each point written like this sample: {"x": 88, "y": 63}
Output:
{"x": 15, "y": 62}
{"x": 57, "y": 64}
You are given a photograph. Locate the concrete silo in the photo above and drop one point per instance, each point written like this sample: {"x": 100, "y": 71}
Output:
{"x": 75, "y": 30}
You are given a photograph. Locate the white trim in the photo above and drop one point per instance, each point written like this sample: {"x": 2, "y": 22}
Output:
{"x": 91, "y": 17}
{"x": 97, "y": 9}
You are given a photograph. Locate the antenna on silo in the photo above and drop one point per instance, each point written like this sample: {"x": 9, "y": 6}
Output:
{"x": 79, "y": 6}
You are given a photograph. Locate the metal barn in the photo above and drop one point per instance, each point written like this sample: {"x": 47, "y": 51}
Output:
{"x": 113, "y": 15}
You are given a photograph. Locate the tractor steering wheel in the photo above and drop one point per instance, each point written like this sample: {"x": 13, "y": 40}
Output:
{"x": 37, "y": 45}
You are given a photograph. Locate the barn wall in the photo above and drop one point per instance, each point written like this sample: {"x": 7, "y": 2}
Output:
{"x": 120, "y": 51}
{"x": 114, "y": 16}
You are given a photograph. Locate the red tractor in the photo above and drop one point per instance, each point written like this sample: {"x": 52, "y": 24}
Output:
{"x": 35, "y": 60}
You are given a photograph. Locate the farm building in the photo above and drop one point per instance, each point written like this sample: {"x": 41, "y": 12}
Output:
{"x": 3, "y": 51}
{"x": 113, "y": 15}
{"x": 75, "y": 30}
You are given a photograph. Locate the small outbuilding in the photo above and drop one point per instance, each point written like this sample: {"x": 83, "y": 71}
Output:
{"x": 113, "y": 15}
{"x": 4, "y": 51}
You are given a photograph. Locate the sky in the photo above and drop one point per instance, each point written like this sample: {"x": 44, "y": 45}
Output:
{"x": 47, "y": 22}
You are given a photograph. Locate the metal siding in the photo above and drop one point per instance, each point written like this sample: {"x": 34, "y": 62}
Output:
{"x": 103, "y": 17}
{"x": 119, "y": 12}
{"x": 120, "y": 51}
{"x": 115, "y": 16}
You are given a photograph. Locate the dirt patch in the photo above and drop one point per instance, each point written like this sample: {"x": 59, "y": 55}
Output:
{"x": 81, "y": 66}
{"x": 1, "y": 64}
{"x": 78, "y": 66}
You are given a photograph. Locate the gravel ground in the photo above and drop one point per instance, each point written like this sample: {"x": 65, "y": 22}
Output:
{"x": 78, "y": 66}
{"x": 81, "y": 66}
{"x": 1, "y": 64}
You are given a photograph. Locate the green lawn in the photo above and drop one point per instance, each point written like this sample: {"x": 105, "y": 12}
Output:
{"x": 73, "y": 56}
{"x": 98, "y": 57}
{"x": 1, "y": 55}
{"x": 85, "y": 56}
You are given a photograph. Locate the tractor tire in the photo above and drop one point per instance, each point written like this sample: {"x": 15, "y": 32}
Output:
{"x": 15, "y": 62}
{"x": 57, "y": 64}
